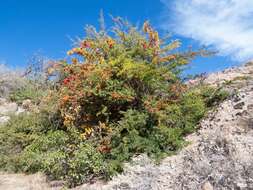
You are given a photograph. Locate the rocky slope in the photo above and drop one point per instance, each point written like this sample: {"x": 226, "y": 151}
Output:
{"x": 219, "y": 155}
{"x": 7, "y": 109}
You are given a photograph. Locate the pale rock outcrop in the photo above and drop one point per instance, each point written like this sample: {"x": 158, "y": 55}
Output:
{"x": 4, "y": 119}
{"x": 7, "y": 109}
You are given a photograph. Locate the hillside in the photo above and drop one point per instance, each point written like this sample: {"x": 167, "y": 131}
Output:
{"x": 219, "y": 154}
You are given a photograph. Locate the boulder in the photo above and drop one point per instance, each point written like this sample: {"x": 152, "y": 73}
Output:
{"x": 20, "y": 110}
{"x": 3, "y": 101}
{"x": 207, "y": 186}
{"x": 27, "y": 104}
{"x": 8, "y": 108}
{"x": 4, "y": 119}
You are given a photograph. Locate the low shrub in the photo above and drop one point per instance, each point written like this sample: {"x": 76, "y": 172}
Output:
{"x": 123, "y": 97}
{"x": 29, "y": 90}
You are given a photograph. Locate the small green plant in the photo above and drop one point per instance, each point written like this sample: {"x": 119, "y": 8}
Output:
{"x": 30, "y": 90}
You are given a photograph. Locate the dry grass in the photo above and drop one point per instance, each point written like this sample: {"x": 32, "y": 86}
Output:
{"x": 37, "y": 182}
{"x": 24, "y": 182}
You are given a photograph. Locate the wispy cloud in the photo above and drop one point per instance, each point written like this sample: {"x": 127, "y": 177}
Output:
{"x": 226, "y": 25}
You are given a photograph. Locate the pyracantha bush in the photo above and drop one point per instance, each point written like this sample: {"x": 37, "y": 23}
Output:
{"x": 121, "y": 95}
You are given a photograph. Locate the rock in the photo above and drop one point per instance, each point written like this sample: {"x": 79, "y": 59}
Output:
{"x": 8, "y": 108}
{"x": 250, "y": 106}
{"x": 27, "y": 104}
{"x": 241, "y": 186}
{"x": 4, "y": 119}
{"x": 19, "y": 111}
{"x": 239, "y": 105}
{"x": 2, "y": 101}
{"x": 251, "y": 123}
{"x": 57, "y": 184}
{"x": 123, "y": 186}
{"x": 237, "y": 99}
{"x": 242, "y": 113}
{"x": 207, "y": 186}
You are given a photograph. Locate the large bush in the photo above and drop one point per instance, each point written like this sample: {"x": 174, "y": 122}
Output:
{"x": 122, "y": 95}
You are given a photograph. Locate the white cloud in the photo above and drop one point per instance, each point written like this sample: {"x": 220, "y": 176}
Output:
{"x": 226, "y": 25}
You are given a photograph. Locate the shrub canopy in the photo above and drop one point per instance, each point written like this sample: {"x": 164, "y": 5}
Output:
{"x": 121, "y": 95}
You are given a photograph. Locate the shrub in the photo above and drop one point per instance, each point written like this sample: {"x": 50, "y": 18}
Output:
{"x": 29, "y": 90}
{"x": 122, "y": 96}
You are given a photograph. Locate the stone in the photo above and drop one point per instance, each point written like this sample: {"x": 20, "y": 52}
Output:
{"x": 239, "y": 105}
{"x": 242, "y": 186}
{"x": 8, "y": 108}
{"x": 4, "y": 119}
{"x": 2, "y": 101}
{"x": 19, "y": 111}
{"x": 27, "y": 104}
{"x": 207, "y": 186}
{"x": 250, "y": 123}
{"x": 250, "y": 106}
{"x": 237, "y": 99}
{"x": 55, "y": 184}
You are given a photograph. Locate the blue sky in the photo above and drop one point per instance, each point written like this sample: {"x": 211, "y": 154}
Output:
{"x": 46, "y": 26}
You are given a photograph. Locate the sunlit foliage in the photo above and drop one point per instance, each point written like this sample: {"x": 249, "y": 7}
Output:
{"x": 121, "y": 95}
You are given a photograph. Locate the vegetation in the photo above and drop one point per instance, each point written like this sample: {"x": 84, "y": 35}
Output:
{"x": 29, "y": 90}
{"x": 32, "y": 83}
{"x": 36, "y": 83}
{"x": 9, "y": 80}
{"x": 122, "y": 95}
